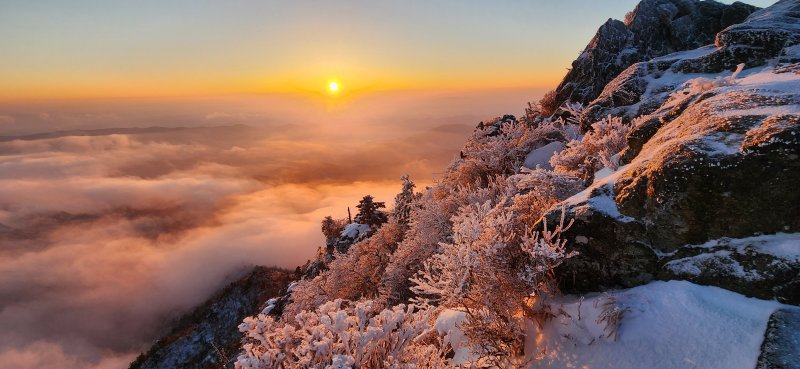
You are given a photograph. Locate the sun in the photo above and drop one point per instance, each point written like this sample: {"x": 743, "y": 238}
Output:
{"x": 333, "y": 86}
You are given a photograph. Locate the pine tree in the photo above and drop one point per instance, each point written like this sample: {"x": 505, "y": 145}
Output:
{"x": 404, "y": 201}
{"x": 329, "y": 227}
{"x": 369, "y": 213}
{"x": 332, "y": 229}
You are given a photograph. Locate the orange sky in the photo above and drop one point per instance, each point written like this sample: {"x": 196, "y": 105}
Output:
{"x": 92, "y": 48}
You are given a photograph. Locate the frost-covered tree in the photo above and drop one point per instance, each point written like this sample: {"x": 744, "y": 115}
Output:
{"x": 404, "y": 201}
{"x": 332, "y": 229}
{"x": 341, "y": 334}
{"x": 369, "y": 212}
{"x": 329, "y": 227}
{"x": 352, "y": 275}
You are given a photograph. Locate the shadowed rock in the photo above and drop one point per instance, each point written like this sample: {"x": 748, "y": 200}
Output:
{"x": 781, "y": 347}
{"x": 654, "y": 28}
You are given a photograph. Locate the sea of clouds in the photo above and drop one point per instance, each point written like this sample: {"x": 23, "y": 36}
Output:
{"x": 107, "y": 235}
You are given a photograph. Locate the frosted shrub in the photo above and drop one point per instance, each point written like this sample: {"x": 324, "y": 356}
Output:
{"x": 358, "y": 273}
{"x": 574, "y": 110}
{"x": 340, "y": 334}
{"x": 307, "y": 294}
{"x": 350, "y": 276}
{"x": 494, "y": 269}
{"x": 598, "y": 148}
{"x": 498, "y": 148}
{"x": 546, "y": 183}
{"x": 548, "y": 104}
{"x": 546, "y": 251}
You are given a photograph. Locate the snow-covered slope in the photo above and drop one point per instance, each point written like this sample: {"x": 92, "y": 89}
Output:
{"x": 663, "y": 325}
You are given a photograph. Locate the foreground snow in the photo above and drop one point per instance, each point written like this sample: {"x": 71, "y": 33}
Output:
{"x": 673, "y": 324}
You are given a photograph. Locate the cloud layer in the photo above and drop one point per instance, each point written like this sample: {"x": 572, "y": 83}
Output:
{"x": 106, "y": 235}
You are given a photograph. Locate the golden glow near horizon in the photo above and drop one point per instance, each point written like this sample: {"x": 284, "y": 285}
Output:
{"x": 333, "y": 87}
{"x": 149, "y": 48}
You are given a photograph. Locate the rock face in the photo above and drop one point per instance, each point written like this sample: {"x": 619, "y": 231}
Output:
{"x": 710, "y": 156}
{"x": 208, "y": 337}
{"x": 642, "y": 88}
{"x": 781, "y": 347}
{"x": 654, "y": 28}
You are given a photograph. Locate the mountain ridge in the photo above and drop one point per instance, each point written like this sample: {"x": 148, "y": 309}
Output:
{"x": 701, "y": 191}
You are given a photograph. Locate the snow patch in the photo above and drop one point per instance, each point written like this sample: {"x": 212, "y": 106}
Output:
{"x": 355, "y": 230}
{"x": 719, "y": 261}
{"x": 541, "y": 156}
{"x": 688, "y": 54}
{"x": 602, "y": 173}
{"x": 666, "y": 325}
{"x": 762, "y": 110}
{"x": 784, "y": 246}
{"x": 599, "y": 196}
{"x": 448, "y": 325}
{"x": 271, "y": 303}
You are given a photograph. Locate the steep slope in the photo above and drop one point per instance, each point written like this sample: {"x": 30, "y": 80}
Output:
{"x": 208, "y": 337}
{"x": 705, "y": 195}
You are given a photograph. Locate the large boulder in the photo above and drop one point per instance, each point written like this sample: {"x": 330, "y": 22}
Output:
{"x": 654, "y": 28}
{"x": 766, "y": 266}
{"x": 725, "y": 166}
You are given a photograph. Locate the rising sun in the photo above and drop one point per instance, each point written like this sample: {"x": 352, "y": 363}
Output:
{"x": 333, "y": 86}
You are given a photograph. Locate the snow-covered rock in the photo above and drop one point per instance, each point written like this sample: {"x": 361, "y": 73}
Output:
{"x": 654, "y": 28}
{"x": 714, "y": 155}
{"x": 355, "y": 231}
{"x": 540, "y": 157}
{"x": 723, "y": 166}
{"x": 643, "y": 87}
{"x": 781, "y": 347}
{"x": 763, "y": 266}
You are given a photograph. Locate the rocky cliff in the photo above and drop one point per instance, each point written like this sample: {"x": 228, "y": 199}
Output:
{"x": 654, "y": 28}
{"x": 208, "y": 336}
{"x": 706, "y": 190}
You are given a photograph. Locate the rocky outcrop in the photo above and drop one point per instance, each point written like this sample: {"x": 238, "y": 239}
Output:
{"x": 721, "y": 169}
{"x": 654, "y": 28}
{"x": 639, "y": 90}
{"x": 711, "y": 156}
{"x": 208, "y": 337}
